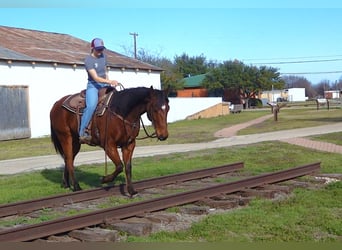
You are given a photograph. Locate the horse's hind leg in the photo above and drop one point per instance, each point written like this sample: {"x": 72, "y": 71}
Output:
{"x": 70, "y": 151}
{"x": 71, "y": 173}
{"x": 66, "y": 182}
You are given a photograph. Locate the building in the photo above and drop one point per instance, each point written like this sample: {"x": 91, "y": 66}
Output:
{"x": 332, "y": 94}
{"x": 193, "y": 87}
{"x": 290, "y": 95}
{"x": 37, "y": 68}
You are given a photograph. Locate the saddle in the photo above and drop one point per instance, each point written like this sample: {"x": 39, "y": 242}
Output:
{"x": 76, "y": 103}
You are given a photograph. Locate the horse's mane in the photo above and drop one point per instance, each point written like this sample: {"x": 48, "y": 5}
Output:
{"x": 124, "y": 101}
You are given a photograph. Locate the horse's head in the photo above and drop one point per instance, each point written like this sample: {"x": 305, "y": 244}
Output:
{"x": 157, "y": 109}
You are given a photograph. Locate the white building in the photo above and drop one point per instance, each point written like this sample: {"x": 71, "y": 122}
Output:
{"x": 296, "y": 94}
{"x": 37, "y": 68}
{"x": 290, "y": 95}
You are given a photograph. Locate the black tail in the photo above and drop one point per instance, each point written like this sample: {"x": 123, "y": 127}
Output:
{"x": 56, "y": 142}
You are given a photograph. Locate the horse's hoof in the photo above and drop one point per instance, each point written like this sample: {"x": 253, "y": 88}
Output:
{"x": 77, "y": 188}
{"x": 64, "y": 185}
{"x": 136, "y": 195}
{"x": 106, "y": 179}
{"x": 132, "y": 193}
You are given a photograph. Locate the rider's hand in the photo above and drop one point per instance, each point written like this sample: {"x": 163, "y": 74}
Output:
{"x": 113, "y": 83}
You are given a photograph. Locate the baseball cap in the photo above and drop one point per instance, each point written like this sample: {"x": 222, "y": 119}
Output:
{"x": 97, "y": 44}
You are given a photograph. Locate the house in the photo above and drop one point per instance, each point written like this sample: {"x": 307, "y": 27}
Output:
{"x": 193, "y": 87}
{"x": 37, "y": 68}
{"x": 290, "y": 95}
{"x": 202, "y": 106}
{"x": 332, "y": 94}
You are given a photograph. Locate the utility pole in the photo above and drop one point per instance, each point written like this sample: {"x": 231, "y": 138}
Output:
{"x": 135, "y": 43}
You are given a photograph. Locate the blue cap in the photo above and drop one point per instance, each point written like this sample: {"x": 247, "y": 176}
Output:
{"x": 97, "y": 44}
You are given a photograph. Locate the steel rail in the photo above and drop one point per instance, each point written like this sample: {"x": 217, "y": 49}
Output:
{"x": 27, "y": 233}
{"x": 91, "y": 194}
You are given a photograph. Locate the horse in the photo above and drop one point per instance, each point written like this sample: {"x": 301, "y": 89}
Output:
{"x": 117, "y": 128}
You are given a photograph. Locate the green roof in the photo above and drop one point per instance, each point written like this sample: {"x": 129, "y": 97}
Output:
{"x": 193, "y": 81}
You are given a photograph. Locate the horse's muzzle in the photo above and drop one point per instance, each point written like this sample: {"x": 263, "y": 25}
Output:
{"x": 162, "y": 138}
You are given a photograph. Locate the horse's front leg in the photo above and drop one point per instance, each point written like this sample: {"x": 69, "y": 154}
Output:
{"x": 113, "y": 154}
{"x": 127, "y": 153}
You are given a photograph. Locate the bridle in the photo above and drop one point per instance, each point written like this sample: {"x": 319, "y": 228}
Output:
{"x": 148, "y": 135}
{"x": 133, "y": 124}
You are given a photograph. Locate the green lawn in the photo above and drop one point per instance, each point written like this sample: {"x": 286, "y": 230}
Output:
{"x": 305, "y": 216}
{"x": 192, "y": 131}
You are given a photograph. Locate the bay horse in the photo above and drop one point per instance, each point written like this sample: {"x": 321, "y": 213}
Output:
{"x": 117, "y": 128}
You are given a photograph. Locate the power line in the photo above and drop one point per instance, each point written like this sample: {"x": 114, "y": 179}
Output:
{"x": 309, "y": 73}
{"x": 288, "y": 58}
{"x": 305, "y": 61}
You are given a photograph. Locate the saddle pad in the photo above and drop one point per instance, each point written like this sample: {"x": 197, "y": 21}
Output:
{"x": 76, "y": 103}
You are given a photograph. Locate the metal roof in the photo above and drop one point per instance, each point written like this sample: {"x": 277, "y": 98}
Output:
{"x": 194, "y": 81}
{"x": 12, "y": 55}
{"x": 40, "y": 46}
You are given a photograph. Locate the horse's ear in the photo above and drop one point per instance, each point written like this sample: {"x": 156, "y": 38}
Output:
{"x": 151, "y": 87}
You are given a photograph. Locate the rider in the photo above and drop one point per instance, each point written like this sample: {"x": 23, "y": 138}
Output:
{"x": 96, "y": 66}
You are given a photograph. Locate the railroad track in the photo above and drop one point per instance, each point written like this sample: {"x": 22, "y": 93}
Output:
{"x": 41, "y": 230}
{"x": 85, "y": 195}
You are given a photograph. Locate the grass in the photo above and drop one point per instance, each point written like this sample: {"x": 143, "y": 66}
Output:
{"x": 293, "y": 219}
{"x": 191, "y": 131}
{"x": 180, "y": 132}
{"x": 306, "y": 216}
{"x": 296, "y": 219}
{"x": 276, "y": 156}
{"x": 30, "y": 147}
{"x": 335, "y": 138}
{"x": 296, "y": 118}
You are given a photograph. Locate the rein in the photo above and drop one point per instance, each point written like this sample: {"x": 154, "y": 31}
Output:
{"x": 133, "y": 124}
{"x": 148, "y": 135}
{"x": 153, "y": 135}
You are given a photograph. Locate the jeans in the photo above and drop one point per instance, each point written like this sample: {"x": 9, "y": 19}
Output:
{"x": 92, "y": 97}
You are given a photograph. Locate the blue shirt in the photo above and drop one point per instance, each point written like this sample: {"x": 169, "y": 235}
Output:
{"x": 99, "y": 64}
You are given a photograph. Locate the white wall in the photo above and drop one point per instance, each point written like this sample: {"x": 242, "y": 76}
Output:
{"x": 47, "y": 84}
{"x": 182, "y": 107}
{"x": 296, "y": 94}
{"x": 131, "y": 78}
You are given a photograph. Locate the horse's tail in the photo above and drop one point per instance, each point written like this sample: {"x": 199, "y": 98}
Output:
{"x": 56, "y": 142}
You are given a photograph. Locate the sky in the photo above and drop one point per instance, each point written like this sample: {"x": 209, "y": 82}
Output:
{"x": 302, "y": 39}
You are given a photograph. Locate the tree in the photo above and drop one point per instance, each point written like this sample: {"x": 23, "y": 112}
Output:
{"x": 300, "y": 82}
{"x": 250, "y": 80}
{"x": 186, "y": 65}
{"x": 169, "y": 76}
{"x": 322, "y": 86}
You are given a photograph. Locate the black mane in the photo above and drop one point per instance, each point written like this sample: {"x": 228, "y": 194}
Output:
{"x": 124, "y": 101}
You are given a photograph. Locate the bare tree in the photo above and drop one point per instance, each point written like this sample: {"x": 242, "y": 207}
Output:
{"x": 300, "y": 82}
